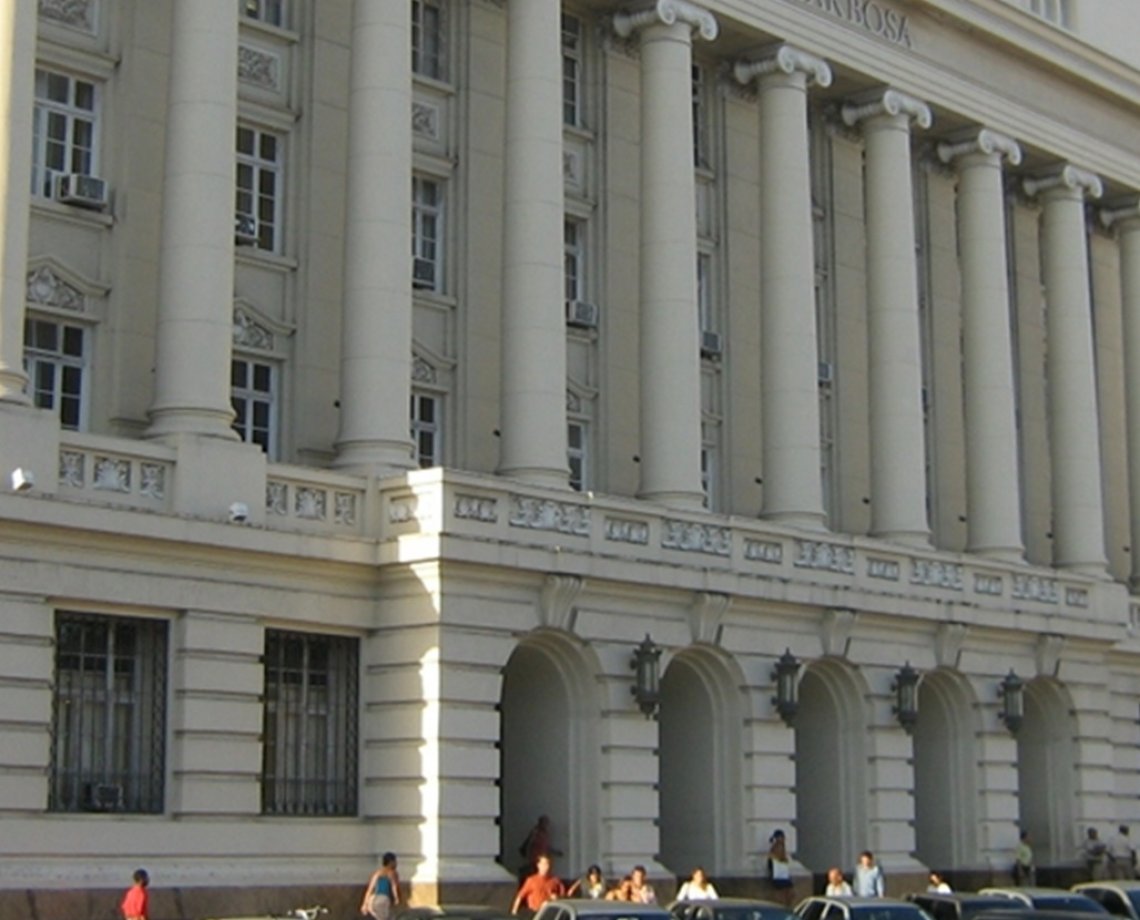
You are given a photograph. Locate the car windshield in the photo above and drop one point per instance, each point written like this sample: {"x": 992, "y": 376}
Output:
{"x": 1074, "y": 902}
{"x": 888, "y": 912}
{"x": 970, "y": 907}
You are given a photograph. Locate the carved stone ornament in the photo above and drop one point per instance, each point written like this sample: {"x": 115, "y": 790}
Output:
{"x": 259, "y": 68}
{"x": 706, "y": 616}
{"x": 787, "y": 60}
{"x": 690, "y": 537}
{"x": 835, "y": 631}
{"x": 948, "y": 642}
{"x": 992, "y": 585}
{"x": 987, "y": 142}
{"x": 72, "y": 468}
{"x": 936, "y": 574}
{"x": 770, "y": 551}
{"x": 344, "y": 508}
{"x": 1049, "y": 650}
{"x": 623, "y": 530}
{"x": 249, "y": 333}
{"x": 668, "y": 12}
{"x": 886, "y": 569}
{"x": 79, "y": 14}
{"x": 45, "y": 287}
{"x": 276, "y": 498}
{"x": 477, "y": 508}
{"x": 1068, "y": 179}
{"x": 544, "y": 514}
{"x": 556, "y": 602}
{"x": 425, "y": 120}
{"x": 888, "y": 102}
{"x": 1035, "y": 588}
{"x": 831, "y": 557}
{"x": 422, "y": 371}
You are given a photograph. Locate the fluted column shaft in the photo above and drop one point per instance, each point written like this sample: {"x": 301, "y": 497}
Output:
{"x": 17, "y": 94}
{"x": 533, "y": 422}
{"x": 898, "y": 452}
{"x": 1130, "y": 293}
{"x": 993, "y": 502}
{"x": 793, "y": 491}
{"x": 377, "y": 322}
{"x": 196, "y": 260}
{"x": 1078, "y": 509}
{"x": 670, "y": 417}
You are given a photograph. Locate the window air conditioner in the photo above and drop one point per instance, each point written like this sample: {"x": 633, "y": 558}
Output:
{"x": 245, "y": 229}
{"x": 82, "y": 191}
{"x": 423, "y": 274}
{"x": 826, "y": 373}
{"x": 581, "y": 314}
{"x": 103, "y": 796}
{"x": 712, "y": 345}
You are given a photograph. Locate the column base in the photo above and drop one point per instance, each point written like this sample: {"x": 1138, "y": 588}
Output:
{"x": 801, "y": 520}
{"x": 537, "y": 476}
{"x": 168, "y": 423}
{"x": 1097, "y": 569}
{"x": 678, "y": 501}
{"x": 1012, "y": 555}
{"x": 917, "y": 539}
{"x": 378, "y": 458}
{"x": 12, "y": 383}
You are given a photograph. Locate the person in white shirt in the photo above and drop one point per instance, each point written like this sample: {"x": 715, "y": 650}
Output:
{"x": 837, "y": 886}
{"x": 938, "y": 884}
{"x": 868, "y": 881}
{"x": 1121, "y": 855}
{"x": 697, "y": 888}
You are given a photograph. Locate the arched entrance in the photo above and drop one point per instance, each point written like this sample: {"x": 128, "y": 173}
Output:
{"x": 1046, "y": 782}
{"x": 700, "y": 794}
{"x": 831, "y": 766}
{"x": 945, "y": 773}
{"x": 549, "y": 748}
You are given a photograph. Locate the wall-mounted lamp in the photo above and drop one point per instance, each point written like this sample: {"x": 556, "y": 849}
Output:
{"x": 905, "y": 689}
{"x": 239, "y": 513}
{"x": 23, "y": 480}
{"x": 646, "y": 689}
{"x": 1012, "y": 691}
{"x": 784, "y": 674}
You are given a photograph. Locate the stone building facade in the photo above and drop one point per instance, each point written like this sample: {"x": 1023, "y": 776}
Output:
{"x": 800, "y": 331}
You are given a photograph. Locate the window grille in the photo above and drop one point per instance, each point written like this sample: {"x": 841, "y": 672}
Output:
{"x": 428, "y": 39}
{"x": 571, "y": 70}
{"x": 55, "y": 360}
{"x": 253, "y": 395}
{"x": 427, "y": 234}
{"x": 426, "y": 423}
{"x": 310, "y": 731}
{"x": 259, "y": 185}
{"x": 64, "y": 129}
{"x": 108, "y": 739}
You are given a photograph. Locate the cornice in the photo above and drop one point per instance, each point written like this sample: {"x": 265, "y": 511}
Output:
{"x": 888, "y": 102}
{"x": 985, "y": 141}
{"x": 668, "y": 12}
{"x": 786, "y": 59}
{"x": 1067, "y": 178}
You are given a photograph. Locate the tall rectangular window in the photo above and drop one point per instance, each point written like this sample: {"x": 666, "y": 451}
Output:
{"x": 309, "y": 763}
{"x": 428, "y": 39}
{"x": 426, "y": 422}
{"x": 700, "y": 117}
{"x": 705, "y": 311}
{"x": 427, "y": 234}
{"x": 108, "y": 739}
{"x": 267, "y": 11}
{"x": 55, "y": 360}
{"x": 253, "y": 395}
{"x": 259, "y": 199}
{"x": 578, "y": 454}
{"x": 573, "y": 259}
{"x": 571, "y": 70}
{"x": 64, "y": 129}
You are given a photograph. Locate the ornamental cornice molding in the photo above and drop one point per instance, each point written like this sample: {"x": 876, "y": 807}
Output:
{"x": 984, "y": 141}
{"x": 556, "y": 608}
{"x": 668, "y": 12}
{"x": 706, "y": 616}
{"x": 786, "y": 59}
{"x": 1068, "y": 178}
{"x": 890, "y": 102}
{"x": 1127, "y": 216}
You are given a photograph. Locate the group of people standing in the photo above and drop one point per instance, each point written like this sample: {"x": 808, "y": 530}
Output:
{"x": 867, "y": 880}
{"x": 1114, "y": 858}
{"x": 542, "y": 886}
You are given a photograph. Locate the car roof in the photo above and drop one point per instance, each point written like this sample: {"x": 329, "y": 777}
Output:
{"x": 450, "y": 910}
{"x": 588, "y": 907}
{"x": 731, "y": 902}
{"x": 1118, "y": 884}
{"x": 959, "y": 897}
{"x": 1032, "y": 913}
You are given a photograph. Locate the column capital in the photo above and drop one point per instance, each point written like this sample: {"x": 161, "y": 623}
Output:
{"x": 1127, "y": 216}
{"x": 668, "y": 12}
{"x": 888, "y": 102}
{"x": 786, "y": 59}
{"x": 985, "y": 141}
{"x": 1067, "y": 178}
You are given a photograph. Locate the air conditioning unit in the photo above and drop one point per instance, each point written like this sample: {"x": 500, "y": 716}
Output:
{"x": 245, "y": 229}
{"x": 712, "y": 345}
{"x": 826, "y": 373}
{"x": 103, "y": 796}
{"x": 82, "y": 191}
{"x": 423, "y": 274}
{"x": 581, "y": 314}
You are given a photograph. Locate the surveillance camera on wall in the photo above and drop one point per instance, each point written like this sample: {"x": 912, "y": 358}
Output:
{"x": 23, "y": 480}
{"x": 239, "y": 513}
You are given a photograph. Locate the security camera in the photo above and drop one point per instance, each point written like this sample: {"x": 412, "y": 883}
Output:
{"x": 23, "y": 480}
{"x": 239, "y": 513}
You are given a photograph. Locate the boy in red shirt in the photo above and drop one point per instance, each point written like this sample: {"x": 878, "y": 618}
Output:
{"x": 134, "y": 906}
{"x": 539, "y": 888}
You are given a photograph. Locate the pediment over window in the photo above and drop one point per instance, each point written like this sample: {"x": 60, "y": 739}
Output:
{"x": 79, "y": 14}
{"x": 256, "y": 331}
{"x": 50, "y": 284}
{"x": 429, "y": 367}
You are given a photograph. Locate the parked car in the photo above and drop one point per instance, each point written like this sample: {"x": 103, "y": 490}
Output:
{"x": 1120, "y": 898}
{"x": 822, "y": 907}
{"x": 451, "y": 912}
{"x": 729, "y": 909}
{"x": 584, "y": 909}
{"x": 959, "y": 906}
{"x": 1021, "y": 912}
{"x": 1049, "y": 899}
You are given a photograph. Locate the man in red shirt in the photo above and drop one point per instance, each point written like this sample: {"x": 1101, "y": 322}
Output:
{"x": 539, "y": 888}
{"x": 134, "y": 906}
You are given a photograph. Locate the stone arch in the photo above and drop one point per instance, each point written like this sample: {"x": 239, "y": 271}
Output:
{"x": 946, "y": 772}
{"x": 700, "y": 797}
{"x": 549, "y": 746}
{"x": 1046, "y": 779}
{"x": 831, "y": 765}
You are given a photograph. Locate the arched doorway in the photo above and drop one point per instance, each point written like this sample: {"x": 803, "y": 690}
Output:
{"x": 831, "y": 766}
{"x": 549, "y": 748}
{"x": 946, "y": 773}
{"x": 700, "y": 780}
{"x": 1046, "y": 782}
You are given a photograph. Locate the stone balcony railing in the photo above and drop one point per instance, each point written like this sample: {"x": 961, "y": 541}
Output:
{"x": 133, "y": 474}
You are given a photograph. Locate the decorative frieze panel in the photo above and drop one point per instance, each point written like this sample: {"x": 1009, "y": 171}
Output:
{"x": 1077, "y": 597}
{"x": 402, "y": 511}
{"x": 831, "y": 557}
{"x": 312, "y": 503}
{"x": 430, "y": 119}
{"x": 121, "y": 478}
{"x": 936, "y": 574}
{"x": 992, "y": 585}
{"x": 692, "y": 537}
{"x": 259, "y": 68}
{"x": 768, "y": 551}
{"x": 78, "y": 14}
{"x": 1035, "y": 588}
{"x": 48, "y": 289}
{"x": 543, "y": 514}
{"x": 425, "y": 120}
{"x": 886, "y": 569}
{"x": 477, "y": 508}
{"x": 623, "y": 530}
{"x": 249, "y": 333}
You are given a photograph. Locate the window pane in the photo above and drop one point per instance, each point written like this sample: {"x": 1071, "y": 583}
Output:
{"x": 73, "y": 341}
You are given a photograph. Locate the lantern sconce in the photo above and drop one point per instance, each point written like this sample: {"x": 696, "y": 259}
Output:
{"x": 905, "y": 689}
{"x": 1012, "y": 691}
{"x": 646, "y": 687}
{"x": 785, "y": 672}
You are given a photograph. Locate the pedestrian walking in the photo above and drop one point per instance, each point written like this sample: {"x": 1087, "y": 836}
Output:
{"x": 539, "y": 888}
{"x": 136, "y": 902}
{"x": 868, "y": 880}
{"x": 1024, "y": 869}
{"x": 382, "y": 890}
{"x": 780, "y": 868}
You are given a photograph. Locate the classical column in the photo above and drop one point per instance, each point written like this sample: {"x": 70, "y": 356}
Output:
{"x": 17, "y": 94}
{"x": 669, "y": 325}
{"x": 898, "y": 454}
{"x": 993, "y": 502}
{"x": 196, "y": 257}
{"x": 1127, "y": 222}
{"x": 1074, "y": 436}
{"x": 533, "y": 422}
{"x": 376, "y": 329}
{"x": 793, "y": 491}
